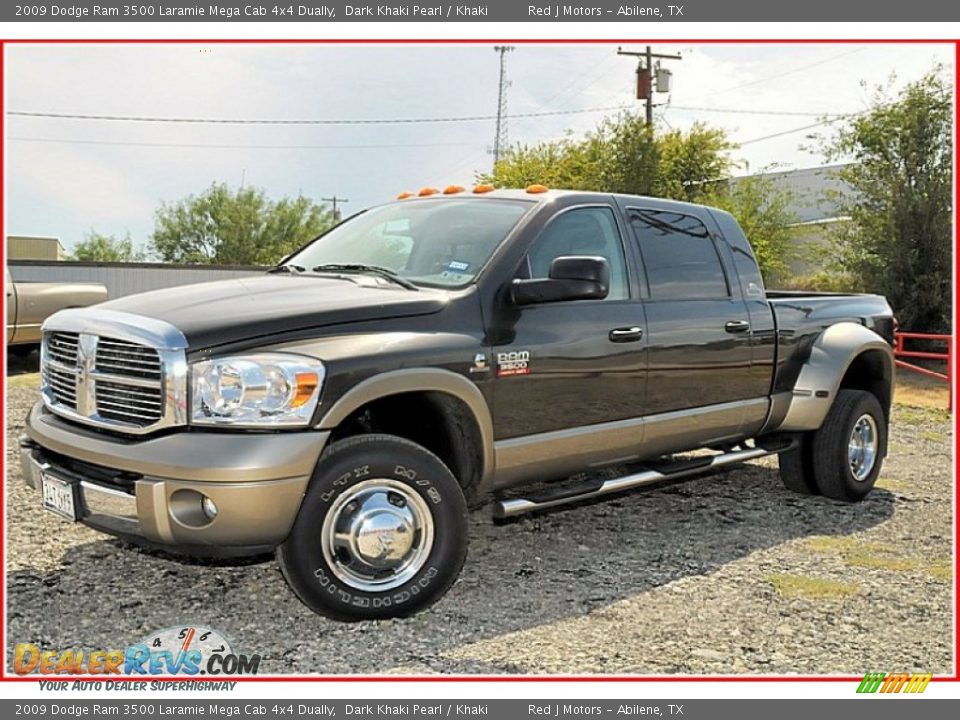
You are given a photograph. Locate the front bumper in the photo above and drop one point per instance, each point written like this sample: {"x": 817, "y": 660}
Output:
{"x": 152, "y": 488}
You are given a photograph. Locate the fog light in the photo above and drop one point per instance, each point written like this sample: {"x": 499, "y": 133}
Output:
{"x": 209, "y": 508}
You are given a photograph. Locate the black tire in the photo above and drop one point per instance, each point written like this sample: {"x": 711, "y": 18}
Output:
{"x": 350, "y": 463}
{"x": 796, "y": 467}
{"x": 831, "y": 464}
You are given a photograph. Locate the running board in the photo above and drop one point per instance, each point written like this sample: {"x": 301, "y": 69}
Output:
{"x": 553, "y": 497}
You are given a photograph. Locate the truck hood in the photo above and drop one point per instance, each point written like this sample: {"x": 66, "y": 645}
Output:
{"x": 226, "y": 311}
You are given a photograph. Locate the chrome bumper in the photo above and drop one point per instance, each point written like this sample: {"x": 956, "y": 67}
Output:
{"x": 256, "y": 481}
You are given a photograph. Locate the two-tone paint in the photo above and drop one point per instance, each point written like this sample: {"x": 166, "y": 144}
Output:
{"x": 682, "y": 381}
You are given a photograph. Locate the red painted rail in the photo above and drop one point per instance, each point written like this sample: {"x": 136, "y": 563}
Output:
{"x": 899, "y": 351}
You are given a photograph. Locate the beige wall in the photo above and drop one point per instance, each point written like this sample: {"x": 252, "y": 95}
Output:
{"x": 23, "y": 247}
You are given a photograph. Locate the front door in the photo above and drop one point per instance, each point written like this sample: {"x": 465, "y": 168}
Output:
{"x": 575, "y": 363}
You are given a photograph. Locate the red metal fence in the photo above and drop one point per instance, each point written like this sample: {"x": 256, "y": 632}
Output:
{"x": 946, "y": 357}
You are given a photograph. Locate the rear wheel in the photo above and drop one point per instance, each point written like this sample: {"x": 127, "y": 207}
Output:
{"x": 382, "y": 531}
{"x": 848, "y": 449}
{"x": 796, "y": 466}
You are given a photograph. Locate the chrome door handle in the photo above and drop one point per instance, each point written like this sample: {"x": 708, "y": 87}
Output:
{"x": 737, "y": 326}
{"x": 630, "y": 334}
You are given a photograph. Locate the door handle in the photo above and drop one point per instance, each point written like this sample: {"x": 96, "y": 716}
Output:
{"x": 737, "y": 326}
{"x": 630, "y": 334}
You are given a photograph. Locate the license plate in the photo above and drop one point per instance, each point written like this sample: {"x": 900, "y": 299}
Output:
{"x": 59, "y": 497}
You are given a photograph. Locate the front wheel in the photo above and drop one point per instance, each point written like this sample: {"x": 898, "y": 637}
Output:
{"x": 382, "y": 531}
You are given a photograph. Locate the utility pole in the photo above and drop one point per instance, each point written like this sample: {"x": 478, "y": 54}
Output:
{"x": 333, "y": 201}
{"x": 645, "y": 77}
{"x": 500, "y": 140}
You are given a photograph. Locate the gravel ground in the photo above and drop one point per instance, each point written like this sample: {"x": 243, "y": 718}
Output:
{"x": 721, "y": 575}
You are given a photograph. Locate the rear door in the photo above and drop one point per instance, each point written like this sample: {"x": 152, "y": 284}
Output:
{"x": 700, "y": 387}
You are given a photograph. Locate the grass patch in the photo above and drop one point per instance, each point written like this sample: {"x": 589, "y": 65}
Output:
{"x": 843, "y": 545}
{"x": 919, "y": 391}
{"x": 940, "y": 570}
{"x": 880, "y": 556}
{"x": 918, "y": 415}
{"x": 27, "y": 380}
{"x": 881, "y": 561}
{"x": 791, "y": 586}
{"x": 933, "y": 436}
{"x": 891, "y": 484}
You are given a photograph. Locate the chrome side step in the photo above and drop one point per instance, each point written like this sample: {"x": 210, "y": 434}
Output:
{"x": 549, "y": 498}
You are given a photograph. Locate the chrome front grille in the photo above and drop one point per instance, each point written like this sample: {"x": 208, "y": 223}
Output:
{"x": 99, "y": 377}
{"x": 124, "y": 358}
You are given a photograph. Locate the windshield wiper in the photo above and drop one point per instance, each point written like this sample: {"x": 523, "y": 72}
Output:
{"x": 361, "y": 268}
{"x": 287, "y": 269}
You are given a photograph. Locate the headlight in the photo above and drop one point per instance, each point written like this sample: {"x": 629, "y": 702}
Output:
{"x": 263, "y": 390}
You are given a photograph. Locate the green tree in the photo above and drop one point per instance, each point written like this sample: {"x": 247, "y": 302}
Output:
{"x": 97, "y": 247}
{"x": 623, "y": 155}
{"x": 236, "y": 227}
{"x": 898, "y": 239}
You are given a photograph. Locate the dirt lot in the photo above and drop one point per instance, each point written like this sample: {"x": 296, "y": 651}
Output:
{"x": 724, "y": 574}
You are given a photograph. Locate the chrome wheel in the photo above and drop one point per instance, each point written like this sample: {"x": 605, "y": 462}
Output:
{"x": 862, "y": 447}
{"x": 377, "y": 535}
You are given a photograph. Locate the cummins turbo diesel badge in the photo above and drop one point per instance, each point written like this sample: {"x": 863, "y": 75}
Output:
{"x": 513, "y": 363}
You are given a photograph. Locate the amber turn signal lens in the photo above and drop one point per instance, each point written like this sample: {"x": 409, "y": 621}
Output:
{"x": 306, "y": 385}
{"x": 483, "y": 189}
{"x": 452, "y": 190}
{"x": 427, "y": 191}
{"x": 536, "y": 189}
{"x": 404, "y": 195}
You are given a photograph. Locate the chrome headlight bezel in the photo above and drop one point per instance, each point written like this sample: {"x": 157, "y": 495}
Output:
{"x": 270, "y": 390}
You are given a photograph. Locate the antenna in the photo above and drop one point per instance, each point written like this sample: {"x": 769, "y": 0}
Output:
{"x": 500, "y": 139}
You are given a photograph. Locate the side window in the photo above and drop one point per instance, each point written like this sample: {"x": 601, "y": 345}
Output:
{"x": 582, "y": 231}
{"x": 679, "y": 256}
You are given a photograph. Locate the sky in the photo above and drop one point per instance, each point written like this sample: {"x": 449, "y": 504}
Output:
{"x": 66, "y": 177}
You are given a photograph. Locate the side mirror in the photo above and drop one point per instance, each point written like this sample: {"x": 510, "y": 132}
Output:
{"x": 572, "y": 277}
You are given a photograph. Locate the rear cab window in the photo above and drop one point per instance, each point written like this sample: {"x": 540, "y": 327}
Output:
{"x": 680, "y": 256}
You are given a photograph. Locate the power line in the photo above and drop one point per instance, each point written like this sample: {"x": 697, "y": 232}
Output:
{"x": 266, "y": 121}
{"x": 800, "y": 129}
{"x": 792, "y": 71}
{"x": 744, "y": 111}
{"x": 226, "y": 146}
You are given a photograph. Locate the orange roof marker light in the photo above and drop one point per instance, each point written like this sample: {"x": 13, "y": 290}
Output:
{"x": 404, "y": 195}
{"x": 453, "y": 189}
{"x": 426, "y": 192}
{"x": 537, "y": 189}
{"x": 480, "y": 189}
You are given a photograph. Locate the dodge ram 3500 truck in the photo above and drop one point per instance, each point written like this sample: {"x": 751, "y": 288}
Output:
{"x": 347, "y": 407}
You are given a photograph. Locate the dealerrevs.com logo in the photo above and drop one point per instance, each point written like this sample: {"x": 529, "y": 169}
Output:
{"x": 894, "y": 683}
{"x": 187, "y": 651}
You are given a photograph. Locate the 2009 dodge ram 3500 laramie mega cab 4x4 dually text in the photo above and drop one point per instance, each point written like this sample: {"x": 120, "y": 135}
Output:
{"x": 348, "y": 406}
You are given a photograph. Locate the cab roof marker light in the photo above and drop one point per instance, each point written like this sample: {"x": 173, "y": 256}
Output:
{"x": 453, "y": 189}
{"x": 537, "y": 189}
{"x": 427, "y": 191}
{"x": 404, "y": 195}
{"x": 480, "y": 189}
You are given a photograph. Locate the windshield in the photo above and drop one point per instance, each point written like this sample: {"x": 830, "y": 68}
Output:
{"x": 435, "y": 242}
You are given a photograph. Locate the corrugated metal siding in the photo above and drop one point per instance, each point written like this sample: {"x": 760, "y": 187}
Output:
{"x": 125, "y": 278}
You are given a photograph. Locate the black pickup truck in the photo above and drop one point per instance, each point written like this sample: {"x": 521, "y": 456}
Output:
{"x": 436, "y": 352}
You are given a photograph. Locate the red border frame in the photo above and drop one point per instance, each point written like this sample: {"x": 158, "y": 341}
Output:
{"x": 5, "y": 678}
